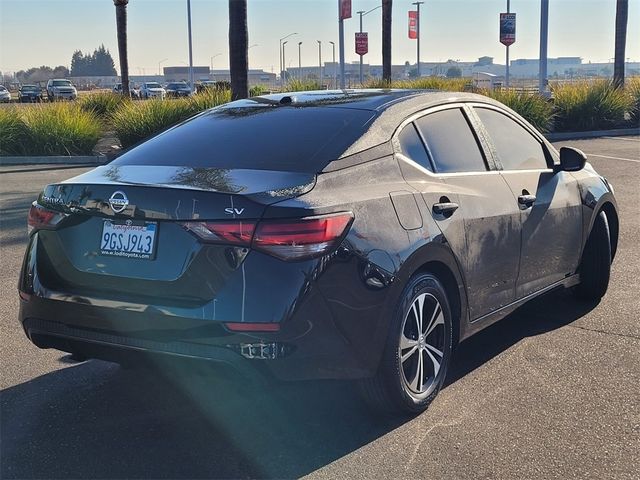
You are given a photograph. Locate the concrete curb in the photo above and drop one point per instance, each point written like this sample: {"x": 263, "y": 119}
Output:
{"x": 618, "y": 132}
{"x": 55, "y": 160}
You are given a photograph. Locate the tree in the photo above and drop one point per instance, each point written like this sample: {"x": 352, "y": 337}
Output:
{"x": 622, "y": 15}
{"x": 454, "y": 72}
{"x": 386, "y": 40}
{"x": 121, "y": 26}
{"x": 78, "y": 64}
{"x": 238, "y": 49}
{"x": 102, "y": 63}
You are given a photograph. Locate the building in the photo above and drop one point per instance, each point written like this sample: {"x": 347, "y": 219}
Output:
{"x": 255, "y": 77}
{"x": 181, "y": 74}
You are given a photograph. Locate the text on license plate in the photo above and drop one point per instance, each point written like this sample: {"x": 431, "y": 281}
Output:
{"x": 132, "y": 241}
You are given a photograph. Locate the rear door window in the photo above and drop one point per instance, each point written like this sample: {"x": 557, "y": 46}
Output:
{"x": 451, "y": 142}
{"x": 412, "y": 146}
{"x": 517, "y": 149}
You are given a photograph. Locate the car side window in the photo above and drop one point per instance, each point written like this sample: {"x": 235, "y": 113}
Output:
{"x": 517, "y": 149}
{"x": 451, "y": 142}
{"x": 412, "y": 146}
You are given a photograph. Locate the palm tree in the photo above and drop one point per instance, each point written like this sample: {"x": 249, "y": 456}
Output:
{"x": 386, "y": 40}
{"x": 121, "y": 25}
{"x": 238, "y": 49}
{"x": 622, "y": 14}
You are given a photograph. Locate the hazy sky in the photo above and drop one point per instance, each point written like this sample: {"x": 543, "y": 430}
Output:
{"x": 46, "y": 32}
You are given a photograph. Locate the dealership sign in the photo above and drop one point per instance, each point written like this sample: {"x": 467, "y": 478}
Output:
{"x": 507, "y": 28}
{"x": 345, "y": 9}
{"x": 362, "y": 43}
{"x": 413, "y": 24}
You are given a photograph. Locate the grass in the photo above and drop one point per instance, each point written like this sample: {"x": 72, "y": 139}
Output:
{"x": 424, "y": 83}
{"x": 536, "y": 109}
{"x": 590, "y": 106}
{"x": 137, "y": 121}
{"x": 296, "y": 85}
{"x": 103, "y": 104}
{"x": 633, "y": 88}
{"x": 13, "y": 138}
{"x": 53, "y": 129}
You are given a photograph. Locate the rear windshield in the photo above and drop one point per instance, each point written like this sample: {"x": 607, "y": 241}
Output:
{"x": 296, "y": 139}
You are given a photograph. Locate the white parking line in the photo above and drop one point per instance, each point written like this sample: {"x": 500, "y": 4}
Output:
{"x": 613, "y": 158}
{"x": 623, "y": 138}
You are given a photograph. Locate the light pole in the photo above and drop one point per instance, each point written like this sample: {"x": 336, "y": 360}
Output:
{"x": 280, "y": 53}
{"x": 544, "y": 34}
{"x": 362, "y": 13}
{"x": 299, "y": 60}
{"x": 417, "y": 4}
{"x": 341, "y": 43}
{"x": 213, "y": 76}
{"x": 506, "y": 71}
{"x": 335, "y": 67}
{"x": 160, "y": 63}
{"x": 284, "y": 59}
{"x": 320, "y": 60}
{"x": 190, "y": 44}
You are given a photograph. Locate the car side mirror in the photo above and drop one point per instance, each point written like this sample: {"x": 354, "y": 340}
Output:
{"x": 571, "y": 159}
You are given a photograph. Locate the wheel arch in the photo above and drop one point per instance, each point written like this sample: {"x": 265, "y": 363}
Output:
{"x": 614, "y": 225}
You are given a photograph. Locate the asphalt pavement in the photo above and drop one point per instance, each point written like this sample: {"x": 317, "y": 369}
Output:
{"x": 552, "y": 391}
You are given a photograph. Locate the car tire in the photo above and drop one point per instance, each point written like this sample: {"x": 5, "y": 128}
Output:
{"x": 595, "y": 265}
{"x": 400, "y": 387}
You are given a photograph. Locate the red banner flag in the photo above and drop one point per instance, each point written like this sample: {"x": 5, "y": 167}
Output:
{"x": 345, "y": 9}
{"x": 362, "y": 43}
{"x": 413, "y": 24}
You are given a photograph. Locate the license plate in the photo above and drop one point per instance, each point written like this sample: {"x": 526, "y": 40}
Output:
{"x": 131, "y": 240}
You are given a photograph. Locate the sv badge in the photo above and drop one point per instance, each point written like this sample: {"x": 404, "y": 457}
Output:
{"x": 233, "y": 211}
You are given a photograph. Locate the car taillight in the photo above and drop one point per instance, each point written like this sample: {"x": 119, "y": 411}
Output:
{"x": 291, "y": 239}
{"x": 234, "y": 233}
{"x": 301, "y": 238}
{"x": 41, "y": 218}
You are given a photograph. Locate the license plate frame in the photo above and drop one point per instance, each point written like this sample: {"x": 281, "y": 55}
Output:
{"x": 127, "y": 229}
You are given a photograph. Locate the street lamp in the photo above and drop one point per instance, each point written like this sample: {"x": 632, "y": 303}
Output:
{"x": 160, "y": 63}
{"x": 335, "y": 67}
{"x": 281, "y": 52}
{"x": 190, "y": 44}
{"x": 299, "y": 60}
{"x": 213, "y": 77}
{"x": 417, "y": 4}
{"x": 320, "y": 60}
{"x": 362, "y": 13}
{"x": 284, "y": 59}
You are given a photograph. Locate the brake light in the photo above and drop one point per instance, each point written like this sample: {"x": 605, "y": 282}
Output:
{"x": 233, "y": 233}
{"x": 301, "y": 238}
{"x": 40, "y": 218}
{"x": 291, "y": 239}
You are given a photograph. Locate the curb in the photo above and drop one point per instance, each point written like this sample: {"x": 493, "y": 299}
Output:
{"x": 55, "y": 160}
{"x": 618, "y": 132}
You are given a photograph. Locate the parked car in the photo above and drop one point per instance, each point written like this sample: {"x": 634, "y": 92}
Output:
{"x": 177, "y": 89}
{"x": 5, "y": 95}
{"x": 152, "y": 90}
{"x": 357, "y": 235}
{"x": 61, "y": 89}
{"x": 134, "y": 92}
{"x": 29, "y": 93}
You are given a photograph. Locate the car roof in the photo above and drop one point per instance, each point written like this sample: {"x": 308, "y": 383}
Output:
{"x": 391, "y": 107}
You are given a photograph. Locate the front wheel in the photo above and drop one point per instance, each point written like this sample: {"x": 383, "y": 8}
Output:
{"x": 595, "y": 265}
{"x": 418, "y": 350}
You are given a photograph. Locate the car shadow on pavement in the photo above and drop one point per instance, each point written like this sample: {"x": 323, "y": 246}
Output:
{"x": 98, "y": 420}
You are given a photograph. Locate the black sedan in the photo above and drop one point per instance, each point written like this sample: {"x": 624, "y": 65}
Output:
{"x": 29, "y": 94}
{"x": 350, "y": 234}
{"x": 177, "y": 89}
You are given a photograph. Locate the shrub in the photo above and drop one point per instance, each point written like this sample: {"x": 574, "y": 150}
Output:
{"x": 536, "y": 109}
{"x": 633, "y": 88}
{"x": 422, "y": 83}
{"x": 297, "y": 85}
{"x": 137, "y": 121}
{"x": 13, "y": 137}
{"x": 103, "y": 104}
{"x": 59, "y": 129}
{"x": 590, "y": 105}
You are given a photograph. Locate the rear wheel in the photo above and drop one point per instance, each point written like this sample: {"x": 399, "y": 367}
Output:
{"x": 595, "y": 265}
{"x": 418, "y": 350}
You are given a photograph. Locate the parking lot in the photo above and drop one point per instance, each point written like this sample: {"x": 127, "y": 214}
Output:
{"x": 552, "y": 391}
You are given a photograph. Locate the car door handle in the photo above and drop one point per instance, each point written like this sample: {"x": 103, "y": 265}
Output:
{"x": 445, "y": 208}
{"x": 526, "y": 199}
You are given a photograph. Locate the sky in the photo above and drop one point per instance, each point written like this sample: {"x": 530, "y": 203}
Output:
{"x": 47, "y": 32}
